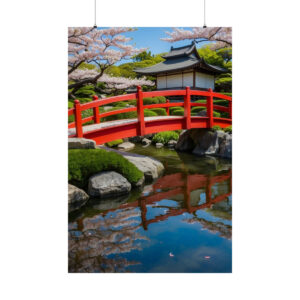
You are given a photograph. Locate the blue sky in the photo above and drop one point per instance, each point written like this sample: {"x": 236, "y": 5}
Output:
{"x": 150, "y": 37}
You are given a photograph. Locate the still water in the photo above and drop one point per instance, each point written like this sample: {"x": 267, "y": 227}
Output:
{"x": 180, "y": 223}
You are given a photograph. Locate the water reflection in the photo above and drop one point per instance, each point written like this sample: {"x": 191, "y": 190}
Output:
{"x": 123, "y": 235}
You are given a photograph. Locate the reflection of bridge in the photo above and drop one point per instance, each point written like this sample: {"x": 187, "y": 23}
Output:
{"x": 103, "y": 132}
{"x": 178, "y": 183}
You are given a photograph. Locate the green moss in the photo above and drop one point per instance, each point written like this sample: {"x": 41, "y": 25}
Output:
{"x": 165, "y": 136}
{"x": 83, "y": 163}
{"x": 114, "y": 143}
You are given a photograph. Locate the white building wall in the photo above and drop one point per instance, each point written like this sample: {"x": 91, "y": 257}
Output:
{"x": 204, "y": 81}
{"x": 188, "y": 79}
{"x": 161, "y": 82}
{"x": 174, "y": 81}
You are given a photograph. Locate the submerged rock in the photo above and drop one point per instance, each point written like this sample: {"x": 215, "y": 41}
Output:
{"x": 107, "y": 184}
{"x": 159, "y": 145}
{"x": 81, "y": 143}
{"x": 171, "y": 144}
{"x": 126, "y": 146}
{"x": 76, "y": 197}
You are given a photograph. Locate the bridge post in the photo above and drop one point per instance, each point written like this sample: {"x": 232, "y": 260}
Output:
{"x": 78, "y": 119}
{"x": 230, "y": 109}
{"x": 210, "y": 109}
{"x": 187, "y": 108}
{"x": 96, "y": 111}
{"x": 140, "y": 111}
{"x": 168, "y": 108}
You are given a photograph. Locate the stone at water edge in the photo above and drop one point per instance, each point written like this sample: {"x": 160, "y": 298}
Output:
{"x": 159, "y": 145}
{"x": 152, "y": 168}
{"x": 146, "y": 142}
{"x": 126, "y": 146}
{"x": 76, "y": 197}
{"x": 171, "y": 144}
{"x": 107, "y": 184}
{"x": 81, "y": 143}
{"x": 185, "y": 142}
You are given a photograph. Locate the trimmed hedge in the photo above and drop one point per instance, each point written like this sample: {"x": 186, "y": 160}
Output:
{"x": 175, "y": 108}
{"x": 165, "y": 136}
{"x": 196, "y": 109}
{"x": 83, "y": 163}
{"x": 159, "y": 111}
{"x": 216, "y": 127}
{"x": 149, "y": 113}
{"x": 150, "y": 100}
{"x": 179, "y": 112}
{"x": 114, "y": 143}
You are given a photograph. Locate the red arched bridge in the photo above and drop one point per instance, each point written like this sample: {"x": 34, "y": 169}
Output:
{"x": 102, "y": 132}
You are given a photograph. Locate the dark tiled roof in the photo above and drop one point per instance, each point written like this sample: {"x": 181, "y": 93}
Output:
{"x": 179, "y": 59}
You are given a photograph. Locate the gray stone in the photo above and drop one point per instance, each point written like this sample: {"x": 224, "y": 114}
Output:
{"x": 126, "y": 146}
{"x": 146, "y": 142}
{"x": 159, "y": 145}
{"x": 151, "y": 167}
{"x": 206, "y": 142}
{"x": 81, "y": 143}
{"x": 76, "y": 197}
{"x": 185, "y": 142}
{"x": 107, "y": 184}
{"x": 171, "y": 144}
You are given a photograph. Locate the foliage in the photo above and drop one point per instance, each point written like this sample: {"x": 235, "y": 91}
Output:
{"x": 173, "y": 108}
{"x": 159, "y": 111}
{"x": 216, "y": 127}
{"x": 228, "y": 129}
{"x": 126, "y": 115}
{"x": 149, "y": 113}
{"x": 83, "y": 163}
{"x": 114, "y": 143}
{"x": 85, "y": 91}
{"x": 196, "y": 109}
{"x": 177, "y": 112}
{"x": 165, "y": 136}
{"x": 70, "y": 104}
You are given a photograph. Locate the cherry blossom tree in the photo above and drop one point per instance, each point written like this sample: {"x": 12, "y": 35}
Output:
{"x": 112, "y": 84}
{"x": 221, "y": 36}
{"x": 100, "y": 47}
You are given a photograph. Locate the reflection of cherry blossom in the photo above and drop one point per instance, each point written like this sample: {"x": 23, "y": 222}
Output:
{"x": 102, "y": 236}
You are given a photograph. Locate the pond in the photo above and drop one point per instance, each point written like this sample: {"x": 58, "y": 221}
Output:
{"x": 180, "y": 223}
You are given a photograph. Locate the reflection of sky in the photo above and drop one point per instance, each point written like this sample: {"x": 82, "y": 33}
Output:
{"x": 189, "y": 244}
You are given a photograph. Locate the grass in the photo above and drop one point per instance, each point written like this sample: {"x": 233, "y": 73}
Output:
{"x": 83, "y": 163}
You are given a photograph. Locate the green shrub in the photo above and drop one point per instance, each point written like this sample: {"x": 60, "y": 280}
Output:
{"x": 83, "y": 163}
{"x": 193, "y": 114}
{"x": 85, "y": 91}
{"x": 228, "y": 129}
{"x": 154, "y": 100}
{"x": 216, "y": 127}
{"x": 70, "y": 104}
{"x": 114, "y": 143}
{"x": 175, "y": 108}
{"x": 179, "y": 112}
{"x": 118, "y": 104}
{"x": 216, "y": 114}
{"x": 165, "y": 136}
{"x": 159, "y": 111}
{"x": 127, "y": 115}
{"x": 149, "y": 113}
{"x": 196, "y": 109}
{"x": 84, "y": 100}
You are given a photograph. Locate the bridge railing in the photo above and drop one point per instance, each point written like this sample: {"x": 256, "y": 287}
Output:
{"x": 187, "y": 104}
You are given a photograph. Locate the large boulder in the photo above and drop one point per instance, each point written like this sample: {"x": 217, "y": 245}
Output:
{"x": 206, "y": 142}
{"x": 81, "y": 143}
{"x": 151, "y": 167}
{"x": 126, "y": 146}
{"x": 107, "y": 184}
{"x": 76, "y": 197}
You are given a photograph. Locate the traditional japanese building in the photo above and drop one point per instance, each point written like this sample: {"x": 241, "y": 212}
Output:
{"x": 183, "y": 67}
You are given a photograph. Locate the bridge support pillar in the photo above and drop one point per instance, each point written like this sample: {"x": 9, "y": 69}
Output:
{"x": 78, "y": 119}
{"x": 140, "y": 111}
{"x": 96, "y": 111}
{"x": 210, "y": 109}
{"x": 187, "y": 108}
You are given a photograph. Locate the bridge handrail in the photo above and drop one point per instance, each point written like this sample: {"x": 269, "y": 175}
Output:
{"x": 139, "y": 95}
